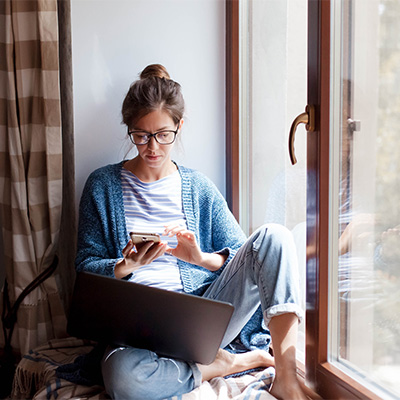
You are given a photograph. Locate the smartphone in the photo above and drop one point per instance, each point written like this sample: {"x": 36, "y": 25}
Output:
{"x": 140, "y": 238}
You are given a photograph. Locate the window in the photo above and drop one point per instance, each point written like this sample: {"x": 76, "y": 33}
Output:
{"x": 352, "y": 75}
{"x": 272, "y": 89}
{"x": 365, "y": 182}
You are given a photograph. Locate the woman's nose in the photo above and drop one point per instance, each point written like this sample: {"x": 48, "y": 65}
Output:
{"x": 152, "y": 143}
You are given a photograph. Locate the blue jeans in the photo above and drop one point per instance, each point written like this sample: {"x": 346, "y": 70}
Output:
{"x": 263, "y": 270}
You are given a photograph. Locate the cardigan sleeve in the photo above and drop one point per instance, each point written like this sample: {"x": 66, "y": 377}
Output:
{"x": 99, "y": 246}
{"x": 217, "y": 231}
{"x": 217, "y": 221}
{"x": 227, "y": 235}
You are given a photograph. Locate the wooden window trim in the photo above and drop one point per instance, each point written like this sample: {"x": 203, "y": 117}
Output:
{"x": 318, "y": 94}
{"x": 232, "y": 105}
{"x": 336, "y": 384}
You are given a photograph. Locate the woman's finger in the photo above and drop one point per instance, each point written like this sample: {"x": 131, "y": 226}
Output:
{"x": 150, "y": 251}
{"x": 187, "y": 236}
{"x": 127, "y": 249}
{"x": 171, "y": 230}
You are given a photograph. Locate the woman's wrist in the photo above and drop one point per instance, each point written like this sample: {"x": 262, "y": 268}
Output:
{"x": 120, "y": 269}
{"x": 212, "y": 261}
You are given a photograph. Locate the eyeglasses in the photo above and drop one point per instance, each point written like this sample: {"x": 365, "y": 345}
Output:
{"x": 162, "y": 137}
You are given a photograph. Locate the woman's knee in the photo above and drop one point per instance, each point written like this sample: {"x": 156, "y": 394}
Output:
{"x": 273, "y": 235}
{"x": 139, "y": 374}
{"x": 126, "y": 372}
{"x": 274, "y": 249}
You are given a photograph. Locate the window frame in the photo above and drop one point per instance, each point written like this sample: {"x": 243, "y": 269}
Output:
{"x": 328, "y": 380}
{"x": 232, "y": 63}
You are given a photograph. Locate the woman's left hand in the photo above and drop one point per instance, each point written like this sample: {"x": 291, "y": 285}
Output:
{"x": 188, "y": 250}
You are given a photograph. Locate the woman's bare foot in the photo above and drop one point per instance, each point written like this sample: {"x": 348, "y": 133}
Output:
{"x": 227, "y": 363}
{"x": 292, "y": 388}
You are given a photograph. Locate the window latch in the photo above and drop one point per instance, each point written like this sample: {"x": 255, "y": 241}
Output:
{"x": 354, "y": 125}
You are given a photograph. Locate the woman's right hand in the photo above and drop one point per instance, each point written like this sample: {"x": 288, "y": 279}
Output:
{"x": 134, "y": 258}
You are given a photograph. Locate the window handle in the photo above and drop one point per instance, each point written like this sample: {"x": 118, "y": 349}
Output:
{"x": 308, "y": 118}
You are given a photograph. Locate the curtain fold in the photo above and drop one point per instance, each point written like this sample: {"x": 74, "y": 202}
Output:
{"x": 67, "y": 241}
{"x": 31, "y": 165}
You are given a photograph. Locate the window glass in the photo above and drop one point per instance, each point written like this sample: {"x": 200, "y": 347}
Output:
{"x": 365, "y": 293}
{"x": 273, "y": 54}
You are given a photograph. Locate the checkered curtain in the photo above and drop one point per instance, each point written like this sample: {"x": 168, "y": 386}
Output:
{"x": 31, "y": 176}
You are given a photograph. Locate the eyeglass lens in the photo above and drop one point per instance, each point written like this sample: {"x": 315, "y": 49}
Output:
{"x": 164, "y": 137}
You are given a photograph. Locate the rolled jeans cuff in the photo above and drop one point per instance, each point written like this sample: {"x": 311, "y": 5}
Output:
{"x": 197, "y": 378}
{"x": 281, "y": 309}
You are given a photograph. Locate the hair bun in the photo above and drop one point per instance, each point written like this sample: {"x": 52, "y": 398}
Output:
{"x": 155, "y": 70}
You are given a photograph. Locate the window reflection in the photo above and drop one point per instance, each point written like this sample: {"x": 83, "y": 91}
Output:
{"x": 369, "y": 192}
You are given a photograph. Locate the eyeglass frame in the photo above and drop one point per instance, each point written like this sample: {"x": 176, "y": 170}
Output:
{"x": 149, "y": 135}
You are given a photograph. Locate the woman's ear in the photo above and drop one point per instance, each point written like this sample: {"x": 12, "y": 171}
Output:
{"x": 180, "y": 124}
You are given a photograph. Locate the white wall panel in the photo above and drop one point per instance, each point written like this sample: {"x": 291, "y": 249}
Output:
{"x": 112, "y": 41}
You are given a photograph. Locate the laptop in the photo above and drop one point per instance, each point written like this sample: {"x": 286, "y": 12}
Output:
{"x": 123, "y": 313}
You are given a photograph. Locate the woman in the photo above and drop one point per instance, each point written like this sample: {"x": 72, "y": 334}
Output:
{"x": 204, "y": 252}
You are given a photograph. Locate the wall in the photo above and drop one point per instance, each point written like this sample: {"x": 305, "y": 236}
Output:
{"x": 112, "y": 41}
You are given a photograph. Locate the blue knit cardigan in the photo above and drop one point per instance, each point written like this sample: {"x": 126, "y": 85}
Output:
{"x": 102, "y": 231}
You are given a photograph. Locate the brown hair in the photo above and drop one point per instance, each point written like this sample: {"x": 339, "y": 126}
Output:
{"x": 154, "y": 90}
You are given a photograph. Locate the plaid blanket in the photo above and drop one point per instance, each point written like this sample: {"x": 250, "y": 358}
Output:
{"x": 36, "y": 377}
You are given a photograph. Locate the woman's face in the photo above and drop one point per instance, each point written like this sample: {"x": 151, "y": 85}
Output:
{"x": 153, "y": 154}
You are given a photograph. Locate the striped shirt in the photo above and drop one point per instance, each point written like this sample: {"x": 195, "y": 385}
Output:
{"x": 149, "y": 207}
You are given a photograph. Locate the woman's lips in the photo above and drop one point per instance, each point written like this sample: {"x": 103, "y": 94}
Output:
{"x": 153, "y": 157}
